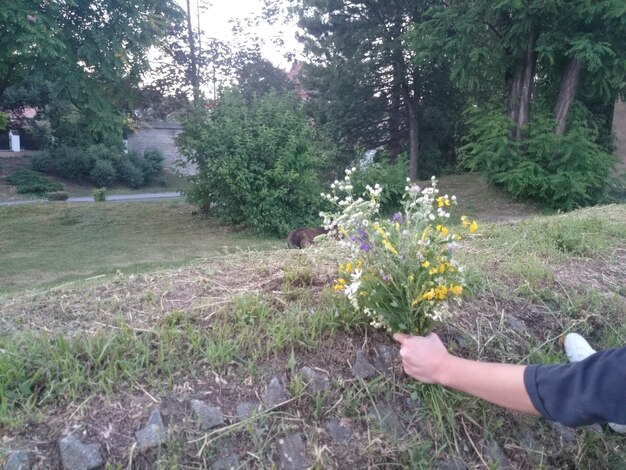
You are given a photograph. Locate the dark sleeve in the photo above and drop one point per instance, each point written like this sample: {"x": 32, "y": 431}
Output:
{"x": 581, "y": 393}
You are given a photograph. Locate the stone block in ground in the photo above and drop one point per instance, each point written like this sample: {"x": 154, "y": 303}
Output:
{"x": 292, "y": 453}
{"x": 246, "y": 409}
{"x": 566, "y": 434}
{"x": 496, "y": 455}
{"x": 362, "y": 368}
{"x": 18, "y": 460}
{"x": 339, "y": 431}
{"x": 153, "y": 434}
{"x": 274, "y": 394}
{"x": 455, "y": 463}
{"x": 385, "y": 358}
{"x": 387, "y": 419}
{"x": 516, "y": 324}
{"x": 230, "y": 462}
{"x": 208, "y": 416}
{"x": 317, "y": 382}
{"x": 78, "y": 456}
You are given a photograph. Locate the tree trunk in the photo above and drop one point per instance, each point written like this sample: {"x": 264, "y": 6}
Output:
{"x": 194, "y": 66}
{"x": 567, "y": 93}
{"x": 395, "y": 135}
{"x": 413, "y": 137}
{"x": 519, "y": 89}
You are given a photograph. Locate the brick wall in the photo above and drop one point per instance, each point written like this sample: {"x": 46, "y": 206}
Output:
{"x": 160, "y": 135}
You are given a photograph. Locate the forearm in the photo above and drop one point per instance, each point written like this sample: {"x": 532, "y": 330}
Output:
{"x": 501, "y": 384}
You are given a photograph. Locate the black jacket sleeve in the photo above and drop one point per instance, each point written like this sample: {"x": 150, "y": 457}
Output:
{"x": 581, "y": 393}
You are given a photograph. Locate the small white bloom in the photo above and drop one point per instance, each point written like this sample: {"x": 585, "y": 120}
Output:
{"x": 431, "y": 217}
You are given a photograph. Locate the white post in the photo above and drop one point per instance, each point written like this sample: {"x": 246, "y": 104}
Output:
{"x": 15, "y": 142}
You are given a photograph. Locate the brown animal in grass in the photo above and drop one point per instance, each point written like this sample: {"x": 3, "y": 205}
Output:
{"x": 303, "y": 237}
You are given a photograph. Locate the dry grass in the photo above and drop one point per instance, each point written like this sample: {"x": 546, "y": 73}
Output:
{"x": 575, "y": 282}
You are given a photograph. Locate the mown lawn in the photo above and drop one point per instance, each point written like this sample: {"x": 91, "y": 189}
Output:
{"x": 100, "y": 356}
{"x": 53, "y": 243}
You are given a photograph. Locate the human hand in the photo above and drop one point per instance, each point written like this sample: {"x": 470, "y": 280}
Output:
{"x": 423, "y": 358}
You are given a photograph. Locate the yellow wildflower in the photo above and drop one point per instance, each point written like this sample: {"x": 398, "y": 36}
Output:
{"x": 473, "y": 226}
{"x": 349, "y": 267}
{"x": 430, "y": 295}
{"x": 397, "y": 226}
{"x": 389, "y": 247}
{"x": 442, "y": 267}
{"x": 416, "y": 301}
{"x": 425, "y": 233}
{"x": 432, "y": 271}
{"x": 456, "y": 289}
{"x": 441, "y": 292}
{"x": 363, "y": 293}
{"x": 359, "y": 264}
{"x": 425, "y": 264}
{"x": 411, "y": 278}
{"x": 442, "y": 229}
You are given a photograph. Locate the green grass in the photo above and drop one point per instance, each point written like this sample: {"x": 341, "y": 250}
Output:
{"x": 44, "y": 245}
{"x": 250, "y": 316}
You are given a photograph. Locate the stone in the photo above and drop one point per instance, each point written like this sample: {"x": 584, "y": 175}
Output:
{"x": 78, "y": 456}
{"x": 208, "y": 416}
{"x": 361, "y": 367}
{"x": 460, "y": 341}
{"x": 246, "y": 409}
{"x": 292, "y": 453}
{"x": 534, "y": 451}
{"x": 497, "y": 456}
{"x": 339, "y": 431}
{"x": 316, "y": 382}
{"x": 387, "y": 419}
{"x": 516, "y": 324}
{"x": 594, "y": 428}
{"x": 230, "y": 462}
{"x": 18, "y": 460}
{"x": 385, "y": 358}
{"x": 153, "y": 434}
{"x": 565, "y": 433}
{"x": 274, "y": 394}
{"x": 456, "y": 463}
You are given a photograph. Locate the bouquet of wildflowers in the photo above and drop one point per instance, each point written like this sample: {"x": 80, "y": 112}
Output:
{"x": 401, "y": 272}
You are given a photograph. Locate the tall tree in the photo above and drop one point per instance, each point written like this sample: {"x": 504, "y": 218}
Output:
{"x": 369, "y": 85}
{"x": 94, "y": 52}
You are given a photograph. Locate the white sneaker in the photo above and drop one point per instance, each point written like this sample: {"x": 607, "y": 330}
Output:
{"x": 618, "y": 428}
{"x": 577, "y": 348}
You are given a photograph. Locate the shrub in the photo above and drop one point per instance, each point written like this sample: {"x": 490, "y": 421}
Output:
{"x": 132, "y": 174}
{"x": 42, "y": 162}
{"x": 57, "y": 196}
{"x": 392, "y": 179}
{"x": 29, "y": 181}
{"x": 99, "y": 194}
{"x": 561, "y": 172}
{"x": 258, "y": 163}
{"x": 152, "y": 162}
{"x": 72, "y": 163}
{"x": 103, "y": 173}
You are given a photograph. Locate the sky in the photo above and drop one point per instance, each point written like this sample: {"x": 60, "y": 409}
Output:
{"x": 214, "y": 21}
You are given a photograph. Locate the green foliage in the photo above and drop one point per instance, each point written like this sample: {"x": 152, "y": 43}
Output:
{"x": 617, "y": 189}
{"x": 561, "y": 172}
{"x": 57, "y": 196}
{"x": 258, "y": 162}
{"x": 132, "y": 174}
{"x": 42, "y": 161}
{"x": 29, "y": 181}
{"x": 392, "y": 179}
{"x": 103, "y": 173}
{"x": 153, "y": 159}
{"x": 73, "y": 163}
{"x": 99, "y": 194}
{"x": 4, "y": 120}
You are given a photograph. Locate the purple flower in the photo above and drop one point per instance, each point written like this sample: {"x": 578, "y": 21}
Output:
{"x": 384, "y": 276}
{"x": 365, "y": 247}
{"x": 397, "y": 217}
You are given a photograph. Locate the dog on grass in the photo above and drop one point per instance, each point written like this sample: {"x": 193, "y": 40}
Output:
{"x": 304, "y": 237}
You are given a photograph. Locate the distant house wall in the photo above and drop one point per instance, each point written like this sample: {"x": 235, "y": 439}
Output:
{"x": 619, "y": 129}
{"x": 160, "y": 135}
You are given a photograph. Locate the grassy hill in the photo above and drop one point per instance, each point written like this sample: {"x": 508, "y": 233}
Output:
{"x": 98, "y": 356}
